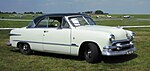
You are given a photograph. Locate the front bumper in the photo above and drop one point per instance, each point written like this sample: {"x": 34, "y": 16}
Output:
{"x": 117, "y": 53}
{"x": 119, "y": 49}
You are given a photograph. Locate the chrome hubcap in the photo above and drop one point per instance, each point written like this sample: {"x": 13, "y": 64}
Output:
{"x": 25, "y": 47}
{"x": 88, "y": 53}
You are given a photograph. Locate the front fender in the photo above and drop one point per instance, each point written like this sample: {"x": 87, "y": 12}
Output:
{"x": 81, "y": 36}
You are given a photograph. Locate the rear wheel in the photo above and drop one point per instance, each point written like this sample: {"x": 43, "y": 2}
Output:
{"x": 25, "y": 48}
{"x": 92, "y": 53}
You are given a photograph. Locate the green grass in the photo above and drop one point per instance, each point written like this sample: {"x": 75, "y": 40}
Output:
{"x": 12, "y": 24}
{"x": 13, "y": 60}
{"x": 124, "y": 22}
{"x": 118, "y": 20}
{"x": 141, "y": 15}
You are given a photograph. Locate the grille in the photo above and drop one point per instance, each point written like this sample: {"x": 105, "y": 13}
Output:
{"x": 125, "y": 44}
{"x": 124, "y": 48}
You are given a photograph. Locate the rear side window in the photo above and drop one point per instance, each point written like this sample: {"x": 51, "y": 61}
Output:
{"x": 43, "y": 23}
{"x": 53, "y": 23}
{"x": 49, "y": 22}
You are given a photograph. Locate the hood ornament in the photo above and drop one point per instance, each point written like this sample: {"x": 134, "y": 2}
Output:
{"x": 119, "y": 27}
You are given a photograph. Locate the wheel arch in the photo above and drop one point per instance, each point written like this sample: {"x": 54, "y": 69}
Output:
{"x": 21, "y": 43}
{"x": 82, "y": 48}
{"x": 24, "y": 48}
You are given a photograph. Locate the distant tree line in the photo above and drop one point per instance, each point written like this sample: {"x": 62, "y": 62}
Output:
{"x": 87, "y": 12}
{"x": 33, "y": 12}
{"x": 18, "y": 13}
{"x": 95, "y": 12}
{"x": 8, "y": 12}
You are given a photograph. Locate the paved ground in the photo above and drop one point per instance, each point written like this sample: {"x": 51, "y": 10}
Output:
{"x": 143, "y": 19}
{"x": 7, "y": 28}
{"x": 15, "y": 20}
{"x": 120, "y": 19}
{"x": 136, "y": 26}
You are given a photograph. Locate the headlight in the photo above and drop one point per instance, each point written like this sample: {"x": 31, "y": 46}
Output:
{"x": 130, "y": 36}
{"x": 112, "y": 38}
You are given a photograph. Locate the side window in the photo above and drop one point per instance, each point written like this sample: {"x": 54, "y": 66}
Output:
{"x": 53, "y": 23}
{"x": 50, "y": 22}
{"x": 43, "y": 23}
{"x": 65, "y": 24}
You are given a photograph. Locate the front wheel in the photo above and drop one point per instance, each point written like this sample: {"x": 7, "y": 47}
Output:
{"x": 92, "y": 53}
{"x": 25, "y": 48}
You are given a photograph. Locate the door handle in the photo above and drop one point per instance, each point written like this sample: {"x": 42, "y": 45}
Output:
{"x": 45, "y": 31}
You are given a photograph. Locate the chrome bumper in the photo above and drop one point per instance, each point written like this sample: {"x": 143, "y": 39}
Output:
{"x": 117, "y": 53}
{"x": 119, "y": 49}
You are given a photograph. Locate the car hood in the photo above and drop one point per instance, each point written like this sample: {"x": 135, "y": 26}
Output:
{"x": 119, "y": 33}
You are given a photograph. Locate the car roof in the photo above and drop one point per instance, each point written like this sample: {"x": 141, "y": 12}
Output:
{"x": 57, "y": 15}
{"x": 62, "y": 14}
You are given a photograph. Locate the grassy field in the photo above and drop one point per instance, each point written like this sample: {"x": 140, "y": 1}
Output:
{"x": 13, "y": 60}
{"x": 124, "y": 22}
{"x": 12, "y": 24}
{"x": 118, "y": 20}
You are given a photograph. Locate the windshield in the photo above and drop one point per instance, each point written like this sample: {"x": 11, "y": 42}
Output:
{"x": 81, "y": 21}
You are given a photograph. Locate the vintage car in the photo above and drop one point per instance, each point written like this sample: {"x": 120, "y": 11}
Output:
{"x": 72, "y": 34}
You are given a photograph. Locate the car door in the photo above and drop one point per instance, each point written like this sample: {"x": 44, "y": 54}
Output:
{"x": 56, "y": 38}
{"x": 34, "y": 35}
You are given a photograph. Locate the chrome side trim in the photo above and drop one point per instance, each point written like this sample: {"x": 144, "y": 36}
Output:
{"x": 48, "y": 43}
{"x": 14, "y": 34}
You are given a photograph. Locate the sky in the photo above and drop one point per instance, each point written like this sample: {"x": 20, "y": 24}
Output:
{"x": 70, "y": 6}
